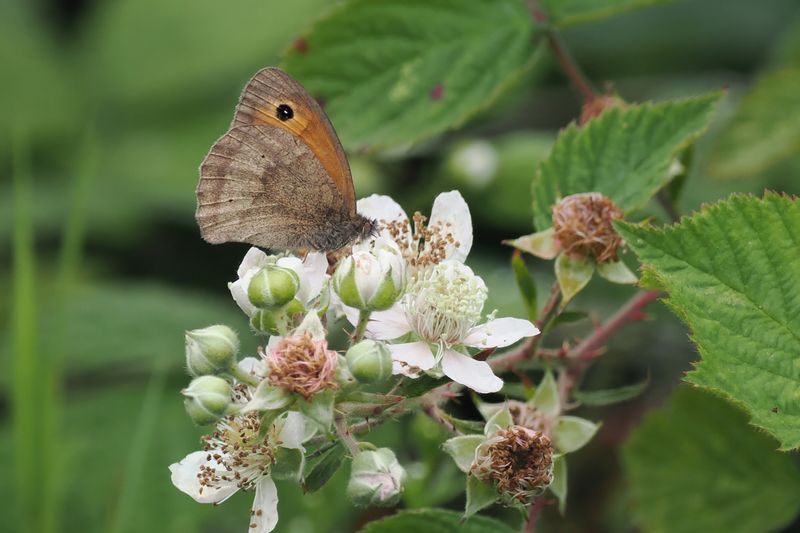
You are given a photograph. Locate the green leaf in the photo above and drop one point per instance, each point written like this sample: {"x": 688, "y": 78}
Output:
{"x": 568, "y": 317}
{"x": 624, "y": 154}
{"x": 541, "y": 244}
{"x": 611, "y": 396}
{"x": 695, "y": 465}
{"x": 321, "y": 470}
{"x": 616, "y": 272}
{"x": 559, "y": 484}
{"x": 572, "y": 433}
{"x": 732, "y": 274}
{"x": 462, "y": 450}
{"x": 404, "y": 70}
{"x": 435, "y": 521}
{"x": 319, "y": 408}
{"x": 569, "y": 12}
{"x": 764, "y": 129}
{"x": 289, "y": 463}
{"x": 480, "y": 495}
{"x": 573, "y": 275}
{"x": 501, "y": 419}
{"x": 527, "y": 287}
{"x": 546, "y": 397}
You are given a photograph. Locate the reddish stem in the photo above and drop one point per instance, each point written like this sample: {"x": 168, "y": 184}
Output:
{"x": 562, "y": 55}
{"x": 533, "y": 514}
{"x": 631, "y": 311}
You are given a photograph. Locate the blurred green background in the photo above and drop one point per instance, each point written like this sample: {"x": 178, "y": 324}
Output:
{"x": 106, "y": 110}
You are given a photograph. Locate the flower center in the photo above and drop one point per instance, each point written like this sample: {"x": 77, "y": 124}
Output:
{"x": 445, "y": 301}
{"x": 424, "y": 245}
{"x": 241, "y": 453}
{"x": 302, "y": 365}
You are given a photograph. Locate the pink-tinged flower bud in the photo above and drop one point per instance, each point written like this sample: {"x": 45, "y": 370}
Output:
{"x": 376, "y": 479}
{"x": 583, "y": 226}
{"x": 517, "y": 461}
{"x": 302, "y": 364}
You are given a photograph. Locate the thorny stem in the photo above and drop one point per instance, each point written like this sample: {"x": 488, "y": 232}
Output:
{"x": 562, "y": 55}
{"x": 435, "y": 413}
{"x": 345, "y": 434}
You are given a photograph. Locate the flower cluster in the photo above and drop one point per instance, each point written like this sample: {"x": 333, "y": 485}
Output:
{"x": 414, "y": 307}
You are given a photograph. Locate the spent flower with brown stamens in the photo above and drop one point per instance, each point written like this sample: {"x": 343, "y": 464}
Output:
{"x": 583, "y": 226}
{"x": 530, "y": 417}
{"x": 302, "y": 364}
{"x": 517, "y": 461}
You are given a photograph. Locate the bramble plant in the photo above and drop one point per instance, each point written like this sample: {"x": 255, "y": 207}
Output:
{"x": 418, "y": 336}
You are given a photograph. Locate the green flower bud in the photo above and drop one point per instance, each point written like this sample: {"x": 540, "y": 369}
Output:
{"x": 208, "y": 398}
{"x": 266, "y": 322}
{"x": 376, "y": 478}
{"x": 369, "y": 361}
{"x": 211, "y": 350}
{"x": 370, "y": 281}
{"x": 273, "y": 287}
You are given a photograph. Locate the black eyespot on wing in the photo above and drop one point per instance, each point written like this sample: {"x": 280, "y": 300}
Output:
{"x": 284, "y": 112}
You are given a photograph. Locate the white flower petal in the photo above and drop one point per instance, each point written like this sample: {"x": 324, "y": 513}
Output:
{"x": 414, "y": 354}
{"x": 254, "y": 258}
{"x": 387, "y": 325}
{"x": 184, "y": 477}
{"x": 311, "y": 271}
{"x": 264, "y": 516}
{"x": 381, "y": 207}
{"x": 254, "y": 366}
{"x": 450, "y": 208}
{"x": 239, "y": 292}
{"x": 400, "y": 368}
{"x": 477, "y": 375}
{"x": 499, "y": 333}
{"x": 292, "y": 431}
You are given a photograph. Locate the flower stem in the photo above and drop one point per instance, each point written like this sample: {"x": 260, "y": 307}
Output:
{"x": 347, "y": 437}
{"x": 361, "y": 327}
{"x": 630, "y": 311}
{"x": 562, "y": 55}
{"x": 533, "y": 514}
{"x": 243, "y": 376}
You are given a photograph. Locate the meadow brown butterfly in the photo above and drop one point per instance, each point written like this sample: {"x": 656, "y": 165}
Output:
{"x": 279, "y": 177}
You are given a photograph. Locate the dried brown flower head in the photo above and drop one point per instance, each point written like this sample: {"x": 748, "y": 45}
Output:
{"x": 582, "y": 223}
{"x": 530, "y": 417}
{"x": 518, "y": 461}
{"x": 302, "y": 364}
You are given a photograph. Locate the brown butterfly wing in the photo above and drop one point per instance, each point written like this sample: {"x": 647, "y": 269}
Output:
{"x": 263, "y": 185}
{"x": 261, "y": 99}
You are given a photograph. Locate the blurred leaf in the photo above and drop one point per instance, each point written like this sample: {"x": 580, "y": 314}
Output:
{"x": 572, "y": 433}
{"x": 417, "y": 387}
{"x": 731, "y": 272}
{"x": 144, "y": 51}
{"x": 132, "y": 325}
{"x": 568, "y": 317}
{"x": 568, "y": 12}
{"x": 494, "y": 175}
{"x": 527, "y": 287}
{"x": 695, "y": 465}
{"x": 573, "y": 275}
{"x": 764, "y": 129}
{"x": 624, "y": 154}
{"x": 435, "y": 521}
{"x": 37, "y": 95}
{"x": 399, "y": 70}
{"x": 611, "y": 396}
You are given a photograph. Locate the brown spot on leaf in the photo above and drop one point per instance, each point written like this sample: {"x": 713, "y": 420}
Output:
{"x": 437, "y": 92}
{"x": 300, "y": 46}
